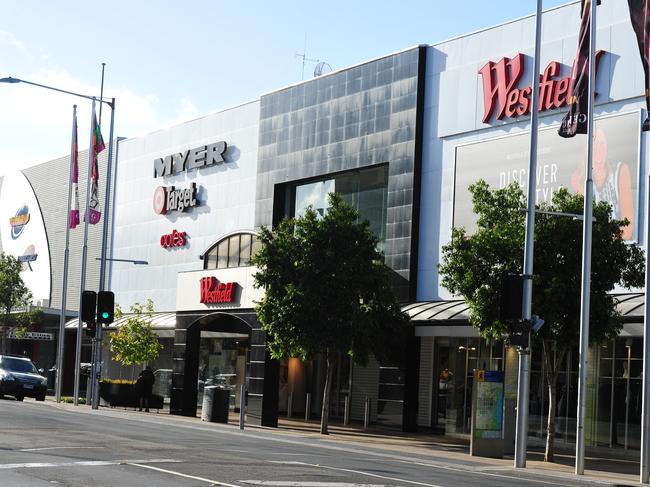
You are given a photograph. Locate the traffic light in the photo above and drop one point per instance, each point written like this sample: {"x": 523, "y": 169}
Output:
{"x": 90, "y": 329}
{"x": 105, "y": 307}
{"x": 511, "y": 297}
{"x": 88, "y": 306}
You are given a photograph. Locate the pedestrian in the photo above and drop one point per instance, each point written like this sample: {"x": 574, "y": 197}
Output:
{"x": 144, "y": 385}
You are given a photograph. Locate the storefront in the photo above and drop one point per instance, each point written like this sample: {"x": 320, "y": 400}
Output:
{"x": 477, "y": 127}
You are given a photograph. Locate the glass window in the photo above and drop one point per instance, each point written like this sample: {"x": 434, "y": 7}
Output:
{"x": 233, "y": 251}
{"x": 245, "y": 250}
{"x": 222, "y": 255}
{"x": 365, "y": 190}
{"x": 256, "y": 245}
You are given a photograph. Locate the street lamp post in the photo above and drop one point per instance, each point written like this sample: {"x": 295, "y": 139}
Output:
{"x": 60, "y": 348}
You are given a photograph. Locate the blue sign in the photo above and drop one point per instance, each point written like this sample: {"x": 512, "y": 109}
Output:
{"x": 19, "y": 222}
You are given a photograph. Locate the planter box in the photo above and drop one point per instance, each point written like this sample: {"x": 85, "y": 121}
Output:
{"x": 125, "y": 395}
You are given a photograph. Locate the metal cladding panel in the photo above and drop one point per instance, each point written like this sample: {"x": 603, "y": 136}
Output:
{"x": 454, "y": 104}
{"x": 347, "y": 120}
{"x": 226, "y": 195}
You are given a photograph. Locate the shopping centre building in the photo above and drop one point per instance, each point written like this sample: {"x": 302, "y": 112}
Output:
{"x": 401, "y": 137}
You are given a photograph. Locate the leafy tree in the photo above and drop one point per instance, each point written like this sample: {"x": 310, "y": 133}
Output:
{"x": 14, "y": 296}
{"x": 327, "y": 292}
{"x": 473, "y": 266}
{"x": 135, "y": 342}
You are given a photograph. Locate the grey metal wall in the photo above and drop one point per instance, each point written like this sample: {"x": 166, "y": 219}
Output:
{"x": 50, "y": 183}
{"x": 350, "y": 119}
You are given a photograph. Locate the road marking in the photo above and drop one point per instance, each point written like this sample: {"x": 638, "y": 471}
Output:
{"x": 61, "y": 448}
{"x": 360, "y": 472}
{"x": 282, "y": 483}
{"x": 88, "y": 463}
{"x": 483, "y": 472}
{"x": 179, "y": 474}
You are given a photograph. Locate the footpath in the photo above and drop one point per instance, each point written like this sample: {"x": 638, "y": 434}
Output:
{"x": 601, "y": 469}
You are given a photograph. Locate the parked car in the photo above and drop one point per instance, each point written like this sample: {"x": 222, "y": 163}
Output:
{"x": 19, "y": 378}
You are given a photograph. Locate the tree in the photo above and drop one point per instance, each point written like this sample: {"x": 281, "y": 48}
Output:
{"x": 14, "y": 296}
{"x": 474, "y": 266}
{"x": 327, "y": 291}
{"x": 135, "y": 342}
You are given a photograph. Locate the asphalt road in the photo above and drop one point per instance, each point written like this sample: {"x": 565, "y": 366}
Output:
{"x": 43, "y": 444}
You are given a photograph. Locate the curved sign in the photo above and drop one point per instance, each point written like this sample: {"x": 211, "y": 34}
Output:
{"x": 23, "y": 235}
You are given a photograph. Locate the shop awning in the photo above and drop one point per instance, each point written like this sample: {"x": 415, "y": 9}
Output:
{"x": 163, "y": 323}
{"x": 456, "y": 311}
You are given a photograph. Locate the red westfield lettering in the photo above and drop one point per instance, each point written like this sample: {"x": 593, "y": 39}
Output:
{"x": 213, "y": 291}
{"x": 500, "y": 82}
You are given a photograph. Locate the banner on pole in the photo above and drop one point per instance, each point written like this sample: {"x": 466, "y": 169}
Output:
{"x": 74, "y": 176}
{"x": 94, "y": 208}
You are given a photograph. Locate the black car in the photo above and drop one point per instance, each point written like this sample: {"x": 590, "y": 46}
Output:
{"x": 19, "y": 378}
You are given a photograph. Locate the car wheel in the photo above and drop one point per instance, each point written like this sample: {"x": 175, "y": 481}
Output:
{"x": 40, "y": 397}
{"x": 20, "y": 398}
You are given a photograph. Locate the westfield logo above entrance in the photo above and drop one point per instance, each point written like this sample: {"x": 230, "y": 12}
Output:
{"x": 501, "y": 92}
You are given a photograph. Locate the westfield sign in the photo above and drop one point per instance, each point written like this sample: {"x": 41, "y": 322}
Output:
{"x": 502, "y": 94}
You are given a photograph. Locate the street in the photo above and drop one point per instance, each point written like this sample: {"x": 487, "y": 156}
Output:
{"x": 44, "y": 444}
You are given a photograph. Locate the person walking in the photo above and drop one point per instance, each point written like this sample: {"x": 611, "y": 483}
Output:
{"x": 144, "y": 385}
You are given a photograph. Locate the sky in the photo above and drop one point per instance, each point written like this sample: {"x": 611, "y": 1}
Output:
{"x": 169, "y": 61}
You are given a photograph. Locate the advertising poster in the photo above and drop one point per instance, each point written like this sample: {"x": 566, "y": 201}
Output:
{"x": 560, "y": 164}
{"x": 489, "y": 404}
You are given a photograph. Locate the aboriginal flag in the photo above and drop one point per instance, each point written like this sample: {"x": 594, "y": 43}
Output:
{"x": 575, "y": 121}
{"x": 640, "y": 17}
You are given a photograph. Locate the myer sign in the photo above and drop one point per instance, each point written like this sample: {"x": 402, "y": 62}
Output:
{"x": 205, "y": 155}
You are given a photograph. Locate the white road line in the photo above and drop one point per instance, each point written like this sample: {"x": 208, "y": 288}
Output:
{"x": 179, "y": 474}
{"x": 88, "y": 463}
{"x": 283, "y": 483}
{"x": 482, "y": 472}
{"x": 360, "y": 472}
{"x": 61, "y": 448}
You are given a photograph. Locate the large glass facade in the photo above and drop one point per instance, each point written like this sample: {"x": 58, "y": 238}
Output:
{"x": 233, "y": 251}
{"x": 365, "y": 190}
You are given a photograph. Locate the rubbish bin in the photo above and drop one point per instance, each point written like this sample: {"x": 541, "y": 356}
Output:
{"x": 216, "y": 403}
{"x": 51, "y": 378}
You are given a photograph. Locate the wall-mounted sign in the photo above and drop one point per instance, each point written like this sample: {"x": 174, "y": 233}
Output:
{"x": 500, "y": 81}
{"x": 19, "y": 221}
{"x": 30, "y": 335}
{"x": 174, "y": 239}
{"x": 23, "y": 234}
{"x": 168, "y": 198}
{"x": 29, "y": 255}
{"x": 213, "y": 291}
{"x": 205, "y": 155}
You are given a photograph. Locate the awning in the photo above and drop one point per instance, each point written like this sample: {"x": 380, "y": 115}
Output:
{"x": 163, "y": 323}
{"x": 456, "y": 311}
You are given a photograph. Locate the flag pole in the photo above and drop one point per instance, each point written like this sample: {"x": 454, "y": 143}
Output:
{"x": 523, "y": 385}
{"x": 64, "y": 292}
{"x": 84, "y": 257}
{"x": 96, "y": 341}
{"x": 99, "y": 331}
{"x": 587, "y": 225}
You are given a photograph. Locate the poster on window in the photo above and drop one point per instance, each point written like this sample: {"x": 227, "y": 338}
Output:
{"x": 560, "y": 164}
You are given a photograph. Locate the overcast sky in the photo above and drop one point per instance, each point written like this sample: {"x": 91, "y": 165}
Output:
{"x": 171, "y": 61}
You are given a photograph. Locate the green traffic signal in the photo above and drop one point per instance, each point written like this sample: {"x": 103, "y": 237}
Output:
{"x": 105, "y": 315}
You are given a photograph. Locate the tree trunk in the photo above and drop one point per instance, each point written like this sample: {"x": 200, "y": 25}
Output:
{"x": 325, "y": 413}
{"x": 552, "y": 365}
{"x": 3, "y": 346}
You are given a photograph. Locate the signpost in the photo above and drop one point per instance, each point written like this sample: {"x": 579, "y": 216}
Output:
{"x": 487, "y": 414}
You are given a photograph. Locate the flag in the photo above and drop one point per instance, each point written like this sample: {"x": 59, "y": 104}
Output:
{"x": 94, "y": 207}
{"x": 74, "y": 175}
{"x": 575, "y": 121}
{"x": 640, "y": 18}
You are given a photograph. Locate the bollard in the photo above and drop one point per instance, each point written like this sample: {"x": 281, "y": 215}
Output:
{"x": 242, "y": 405}
{"x": 366, "y": 415}
{"x": 346, "y": 411}
{"x": 308, "y": 406}
{"x": 290, "y": 405}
